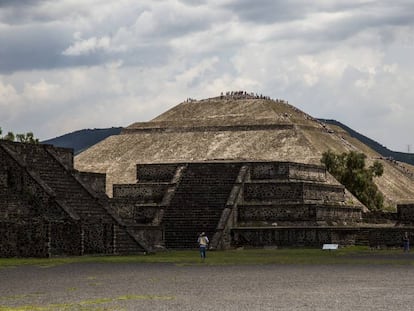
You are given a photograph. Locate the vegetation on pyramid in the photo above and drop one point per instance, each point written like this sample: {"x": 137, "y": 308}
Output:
{"x": 349, "y": 169}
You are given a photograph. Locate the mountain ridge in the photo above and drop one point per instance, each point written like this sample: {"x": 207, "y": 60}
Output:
{"x": 382, "y": 150}
{"x": 82, "y": 139}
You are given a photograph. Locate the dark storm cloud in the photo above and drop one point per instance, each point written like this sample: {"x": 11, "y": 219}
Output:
{"x": 33, "y": 42}
{"x": 45, "y": 53}
{"x": 29, "y": 48}
{"x": 193, "y": 2}
{"x": 377, "y": 18}
{"x": 18, "y": 3}
{"x": 16, "y": 12}
{"x": 362, "y": 15}
{"x": 338, "y": 23}
{"x": 42, "y": 48}
{"x": 269, "y": 11}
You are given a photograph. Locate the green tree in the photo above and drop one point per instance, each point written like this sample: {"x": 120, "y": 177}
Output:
{"x": 27, "y": 138}
{"x": 23, "y": 138}
{"x": 349, "y": 169}
{"x": 9, "y": 136}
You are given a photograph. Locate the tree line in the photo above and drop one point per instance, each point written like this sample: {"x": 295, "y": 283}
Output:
{"x": 22, "y": 138}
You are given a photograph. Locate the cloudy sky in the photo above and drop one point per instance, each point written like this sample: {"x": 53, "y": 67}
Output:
{"x": 66, "y": 65}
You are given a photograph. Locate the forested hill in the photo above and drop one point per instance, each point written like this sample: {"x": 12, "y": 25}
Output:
{"x": 385, "y": 152}
{"x": 82, "y": 139}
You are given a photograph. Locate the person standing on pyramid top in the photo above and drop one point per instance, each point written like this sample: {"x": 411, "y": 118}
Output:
{"x": 203, "y": 243}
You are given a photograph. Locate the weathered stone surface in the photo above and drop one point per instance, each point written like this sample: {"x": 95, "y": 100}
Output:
{"x": 244, "y": 128}
{"x": 287, "y": 171}
{"x": 46, "y": 209}
{"x": 279, "y": 214}
{"x": 142, "y": 192}
{"x": 406, "y": 212}
{"x": 243, "y": 169}
{"x": 219, "y": 196}
{"x": 292, "y": 191}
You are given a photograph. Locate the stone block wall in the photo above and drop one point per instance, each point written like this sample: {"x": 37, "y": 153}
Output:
{"x": 3, "y": 178}
{"x": 282, "y": 237}
{"x": 139, "y": 205}
{"x": 16, "y": 237}
{"x": 272, "y": 213}
{"x": 286, "y": 170}
{"x": 388, "y": 237}
{"x": 297, "y": 212}
{"x": 269, "y": 171}
{"x": 382, "y": 237}
{"x": 141, "y": 192}
{"x": 272, "y": 192}
{"x": 29, "y": 212}
{"x": 152, "y": 235}
{"x": 406, "y": 212}
{"x": 97, "y": 238}
{"x": 27, "y": 152}
{"x": 323, "y": 192}
{"x": 45, "y": 211}
{"x": 307, "y": 172}
{"x": 13, "y": 209}
{"x": 65, "y": 155}
{"x": 156, "y": 172}
{"x": 44, "y": 239}
{"x": 338, "y": 213}
{"x": 292, "y": 191}
{"x": 32, "y": 191}
{"x": 65, "y": 238}
{"x": 95, "y": 181}
{"x": 132, "y": 212}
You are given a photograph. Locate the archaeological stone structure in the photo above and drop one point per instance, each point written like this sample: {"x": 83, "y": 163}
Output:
{"x": 249, "y": 204}
{"x": 47, "y": 208}
{"x": 246, "y": 169}
{"x": 241, "y": 167}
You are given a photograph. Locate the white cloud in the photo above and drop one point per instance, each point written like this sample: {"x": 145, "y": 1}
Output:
{"x": 88, "y": 46}
{"x": 75, "y": 64}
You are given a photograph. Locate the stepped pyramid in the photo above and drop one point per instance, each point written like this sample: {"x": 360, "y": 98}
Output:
{"x": 49, "y": 209}
{"x": 237, "y": 126}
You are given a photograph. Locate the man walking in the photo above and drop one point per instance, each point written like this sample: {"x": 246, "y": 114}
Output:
{"x": 203, "y": 243}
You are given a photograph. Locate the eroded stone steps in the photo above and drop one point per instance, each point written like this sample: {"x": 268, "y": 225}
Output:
{"x": 204, "y": 192}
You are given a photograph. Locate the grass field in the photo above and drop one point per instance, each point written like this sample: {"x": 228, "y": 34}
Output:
{"x": 348, "y": 255}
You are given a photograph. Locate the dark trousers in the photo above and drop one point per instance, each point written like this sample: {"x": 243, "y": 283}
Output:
{"x": 202, "y": 251}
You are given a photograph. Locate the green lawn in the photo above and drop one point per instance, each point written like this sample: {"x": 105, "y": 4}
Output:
{"x": 348, "y": 255}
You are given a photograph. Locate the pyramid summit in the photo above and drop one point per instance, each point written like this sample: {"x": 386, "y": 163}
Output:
{"x": 232, "y": 126}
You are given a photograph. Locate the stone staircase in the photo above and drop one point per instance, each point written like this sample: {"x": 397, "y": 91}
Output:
{"x": 126, "y": 244}
{"x": 93, "y": 212}
{"x": 363, "y": 237}
{"x": 198, "y": 203}
{"x": 66, "y": 187}
{"x": 12, "y": 206}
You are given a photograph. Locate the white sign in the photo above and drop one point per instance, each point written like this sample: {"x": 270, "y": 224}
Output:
{"x": 330, "y": 246}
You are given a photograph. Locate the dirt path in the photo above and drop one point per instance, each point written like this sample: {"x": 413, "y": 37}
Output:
{"x": 169, "y": 287}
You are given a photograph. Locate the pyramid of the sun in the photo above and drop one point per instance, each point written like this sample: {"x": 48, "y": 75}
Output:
{"x": 233, "y": 127}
